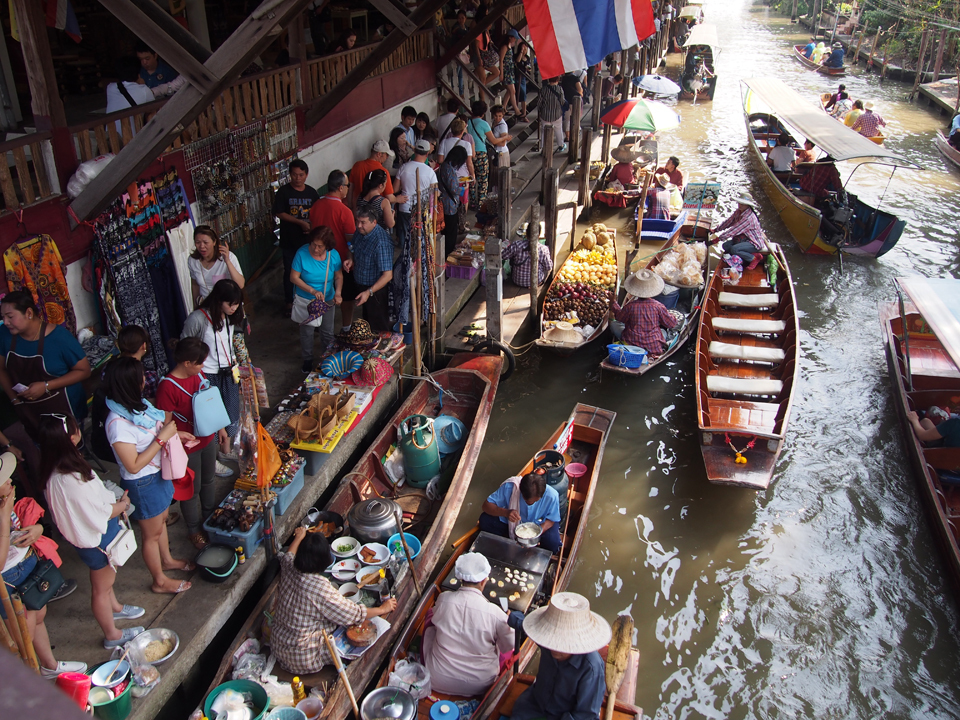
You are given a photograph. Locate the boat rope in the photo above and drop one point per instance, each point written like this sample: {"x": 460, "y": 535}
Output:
{"x": 429, "y": 378}
{"x": 740, "y": 459}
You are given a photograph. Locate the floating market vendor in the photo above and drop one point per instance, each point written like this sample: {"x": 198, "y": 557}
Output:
{"x": 742, "y": 232}
{"x": 641, "y": 315}
{"x": 307, "y": 602}
{"x": 624, "y": 172}
{"x": 521, "y": 500}
{"x": 570, "y": 681}
{"x": 462, "y": 646}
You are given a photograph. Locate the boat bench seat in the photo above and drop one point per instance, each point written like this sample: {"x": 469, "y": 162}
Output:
{"x": 751, "y": 327}
{"x": 729, "y": 351}
{"x": 735, "y": 299}
{"x": 743, "y": 386}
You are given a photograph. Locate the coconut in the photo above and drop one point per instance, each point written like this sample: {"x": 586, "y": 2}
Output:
{"x": 603, "y": 238}
{"x": 588, "y": 240}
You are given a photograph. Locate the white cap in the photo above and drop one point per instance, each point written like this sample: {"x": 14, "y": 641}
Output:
{"x": 472, "y": 568}
{"x": 8, "y": 463}
{"x": 382, "y": 146}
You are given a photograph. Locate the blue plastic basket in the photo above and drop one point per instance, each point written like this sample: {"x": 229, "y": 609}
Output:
{"x": 627, "y": 356}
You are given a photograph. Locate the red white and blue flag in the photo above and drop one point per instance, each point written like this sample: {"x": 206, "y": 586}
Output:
{"x": 60, "y": 15}
{"x": 574, "y": 34}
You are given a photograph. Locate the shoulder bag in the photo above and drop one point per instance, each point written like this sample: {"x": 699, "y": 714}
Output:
{"x": 41, "y": 585}
{"x": 173, "y": 458}
{"x": 122, "y": 546}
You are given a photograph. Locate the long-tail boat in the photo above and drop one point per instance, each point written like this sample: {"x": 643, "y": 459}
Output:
{"x": 698, "y": 81}
{"x": 467, "y": 389}
{"x": 840, "y": 222}
{"x": 921, "y": 335}
{"x": 808, "y": 63}
{"x": 746, "y": 369}
{"x": 826, "y": 97}
{"x": 948, "y": 150}
{"x": 588, "y": 429}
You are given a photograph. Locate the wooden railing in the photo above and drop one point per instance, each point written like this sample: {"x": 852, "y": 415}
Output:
{"x": 515, "y": 14}
{"x": 24, "y": 179}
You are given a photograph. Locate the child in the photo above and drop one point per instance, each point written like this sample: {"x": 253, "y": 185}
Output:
{"x": 500, "y": 130}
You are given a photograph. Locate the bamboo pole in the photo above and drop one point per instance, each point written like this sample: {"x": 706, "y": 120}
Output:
{"x": 415, "y": 287}
{"x": 13, "y": 628}
{"x": 873, "y": 47}
{"x": 920, "y": 59}
{"x": 533, "y": 244}
{"x": 856, "y": 50}
{"x": 21, "y": 613}
{"x": 342, "y": 671}
{"x": 8, "y": 641}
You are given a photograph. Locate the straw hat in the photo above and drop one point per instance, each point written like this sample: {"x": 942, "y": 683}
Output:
{"x": 8, "y": 463}
{"x": 472, "y": 567}
{"x": 662, "y": 178}
{"x": 360, "y": 335}
{"x": 567, "y": 625}
{"x": 644, "y": 284}
{"x": 748, "y": 201}
{"x": 868, "y": 105}
{"x": 563, "y": 332}
{"x": 624, "y": 154}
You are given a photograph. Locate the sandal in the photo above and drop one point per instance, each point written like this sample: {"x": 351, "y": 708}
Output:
{"x": 182, "y": 587}
{"x": 188, "y": 566}
{"x": 199, "y": 540}
{"x": 172, "y": 518}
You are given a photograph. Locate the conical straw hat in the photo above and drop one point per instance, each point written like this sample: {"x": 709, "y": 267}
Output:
{"x": 644, "y": 284}
{"x": 567, "y": 625}
{"x": 563, "y": 332}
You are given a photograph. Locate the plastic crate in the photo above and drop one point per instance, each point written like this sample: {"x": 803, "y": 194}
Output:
{"x": 461, "y": 272}
{"x": 287, "y": 493}
{"x": 247, "y": 540}
{"x": 314, "y": 460}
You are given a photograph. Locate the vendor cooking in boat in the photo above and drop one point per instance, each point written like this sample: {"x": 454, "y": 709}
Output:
{"x": 464, "y": 641}
{"x": 522, "y": 500}
{"x": 571, "y": 678}
{"x": 641, "y": 315}
{"x": 307, "y": 602}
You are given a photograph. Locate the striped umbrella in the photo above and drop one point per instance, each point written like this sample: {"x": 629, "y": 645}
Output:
{"x": 640, "y": 114}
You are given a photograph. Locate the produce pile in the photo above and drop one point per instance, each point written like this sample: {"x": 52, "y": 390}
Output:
{"x": 587, "y": 281}
{"x": 682, "y": 265}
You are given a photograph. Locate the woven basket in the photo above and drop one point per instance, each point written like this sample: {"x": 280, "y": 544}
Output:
{"x": 626, "y": 356}
{"x": 344, "y": 403}
{"x": 304, "y": 425}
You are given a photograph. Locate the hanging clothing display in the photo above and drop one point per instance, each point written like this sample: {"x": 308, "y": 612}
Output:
{"x": 35, "y": 265}
{"x": 423, "y": 229}
{"x": 171, "y": 199}
{"x": 181, "y": 243}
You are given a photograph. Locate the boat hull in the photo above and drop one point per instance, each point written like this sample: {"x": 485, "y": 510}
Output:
{"x": 946, "y": 149}
{"x": 808, "y": 63}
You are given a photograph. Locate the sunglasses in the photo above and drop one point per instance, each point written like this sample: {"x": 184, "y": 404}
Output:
{"x": 61, "y": 418}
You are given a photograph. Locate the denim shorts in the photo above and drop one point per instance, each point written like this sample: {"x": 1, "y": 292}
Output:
{"x": 18, "y": 573}
{"x": 151, "y": 495}
{"x": 95, "y": 558}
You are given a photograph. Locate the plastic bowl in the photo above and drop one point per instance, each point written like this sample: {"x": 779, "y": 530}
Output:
{"x": 382, "y": 555}
{"x": 351, "y": 592}
{"x": 116, "y": 709}
{"x": 412, "y": 542}
{"x": 367, "y": 570}
{"x": 141, "y": 641}
{"x": 343, "y": 542}
{"x": 287, "y": 713}
{"x": 346, "y": 569}
{"x": 576, "y": 470}
{"x": 100, "y": 675}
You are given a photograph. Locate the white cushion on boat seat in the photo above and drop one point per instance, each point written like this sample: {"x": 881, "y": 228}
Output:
{"x": 729, "y": 351}
{"x": 757, "y": 327}
{"x": 743, "y": 386}
{"x": 734, "y": 299}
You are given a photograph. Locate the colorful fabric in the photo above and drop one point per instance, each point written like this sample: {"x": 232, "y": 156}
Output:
{"x": 509, "y": 68}
{"x": 642, "y": 319}
{"x": 36, "y": 265}
{"x": 744, "y": 222}
{"x": 574, "y": 34}
{"x": 518, "y": 253}
{"x": 869, "y": 124}
{"x": 481, "y": 166}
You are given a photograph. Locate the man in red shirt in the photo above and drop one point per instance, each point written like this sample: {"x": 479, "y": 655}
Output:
{"x": 379, "y": 154}
{"x": 331, "y": 211}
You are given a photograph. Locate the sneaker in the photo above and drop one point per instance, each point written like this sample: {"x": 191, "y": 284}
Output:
{"x": 129, "y": 612}
{"x": 62, "y": 667}
{"x": 127, "y": 635}
{"x": 66, "y": 589}
{"x": 307, "y": 366}
{"x": 563, "y": 148}
{"x": 224, "y": 470}
{"x": 233, "y": 456}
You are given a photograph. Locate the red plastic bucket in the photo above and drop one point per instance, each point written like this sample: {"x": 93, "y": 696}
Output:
{"x": 76, "y": 685}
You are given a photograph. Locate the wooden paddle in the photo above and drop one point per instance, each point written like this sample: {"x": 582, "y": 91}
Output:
{"x": 342, "y": 671}
{"x": 618, "y": 655}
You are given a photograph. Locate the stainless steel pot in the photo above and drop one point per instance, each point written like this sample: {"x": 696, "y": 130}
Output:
{"x": 388, "y": 702}
{"x": 373, "y": 520}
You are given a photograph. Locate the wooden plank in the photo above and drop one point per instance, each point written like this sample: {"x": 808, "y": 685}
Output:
{"x": 45, "y": 98}
{"x": 40, "y": 168}
{"x": 256, "y": 31}
{"x": 86, "y": 151}
{"x": 115, "y": 145}
{"x": 218, "y": 115}
{"x": 395, "y": 16}
{"x": 171, "y": 50}
{"x": 103, "y": 146}
{"x": 126, "y": 132}
{"x": 247, "y": 103}
{"x": 10, "y": 198}
{"x": 174, "y": 29}
{"x": 468, "y": 71}
{"x": 23, "y": 175}
{"x": 494, "y": 14}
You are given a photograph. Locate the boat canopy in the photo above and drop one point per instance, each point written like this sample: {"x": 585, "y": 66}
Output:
{"x": 938, "y": 301}
{"x": 809, "y": 119}
{"x": 702, "y": 35}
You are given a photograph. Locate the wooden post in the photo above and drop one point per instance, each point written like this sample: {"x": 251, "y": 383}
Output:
{"x": 493, "y": 255}
{"x": 637, "y": 72}
{"x": 856, "y": 51}
{"x": 551, "y": 190}
{"x": 548, "y": 142}
{"x": 873, "y": 48}
{"x": 939, "y": 62}
{"x": 605, "y": 148}
{"x": 583, "y": 192}
{"x": 883, "y": 67}
{"x": 440, "y": 283}
{"x": 47, "y": 105}
{"x": 597, "y": 85}
{"x": 533, "y": 240}
{"x": 793, "y": 11}
{"x": 923, "y": 54}
{"x": 575, "y": 115}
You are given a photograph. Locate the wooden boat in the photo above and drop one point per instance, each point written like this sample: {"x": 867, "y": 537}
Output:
{"x": 469, "y": 386}
{"x": 688, "y": 305}
{"x": 565, "y": 348}
{"x": 825, "y": 98}
{"x": 698, "y": 85}
{"x": 854, "y": 227}
{"x": 948, "y": 150}
{"x": 745, "y": 371}
{"x": 590, "y": 428}
{"x": 924, "y": 365}
{"x": 807, "y": 62}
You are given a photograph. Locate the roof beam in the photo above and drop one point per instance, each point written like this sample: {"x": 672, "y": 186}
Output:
{"x": 174, "y": 29}
{"x": 154, "y": 36}
{"x": 454, "y": 49}
{"x": 319, "y": 108}
{"x": 256, "y": 32}
{"x": 395, "y": 15}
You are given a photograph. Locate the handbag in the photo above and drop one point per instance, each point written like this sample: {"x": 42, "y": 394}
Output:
{"x": 41, "y": 585}
{"x": 209, "y": 412}
{"x": 173, "y": 459}
{"x": 122, "y": 546}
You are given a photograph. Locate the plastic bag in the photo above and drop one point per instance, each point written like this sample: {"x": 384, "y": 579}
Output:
{"x": 701, "y": 251}
{"x": 250, "y": 667}
{"x": 280, "y": 694}
{"x": 412, "y": 677}
{"x": 86, "y": 172}
{"x": 232, "y": 705}
{"x": 268, "y": 457}
{"x": 145, "y": 676}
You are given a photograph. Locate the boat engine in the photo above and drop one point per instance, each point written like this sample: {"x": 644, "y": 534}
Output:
{"x": 836, "y": 220}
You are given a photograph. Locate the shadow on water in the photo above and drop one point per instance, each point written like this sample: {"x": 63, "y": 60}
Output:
{"x": 824, "y": 596}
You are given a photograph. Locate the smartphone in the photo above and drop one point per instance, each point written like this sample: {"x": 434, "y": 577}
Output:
{"x": 19, "y": 388}
{"x": 16, "y": 535}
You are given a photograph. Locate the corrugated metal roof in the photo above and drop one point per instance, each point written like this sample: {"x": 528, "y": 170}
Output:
{"x": 702, "y": 35}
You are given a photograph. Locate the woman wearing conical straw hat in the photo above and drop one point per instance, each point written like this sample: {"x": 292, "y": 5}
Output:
{"x": 570, "y": 681}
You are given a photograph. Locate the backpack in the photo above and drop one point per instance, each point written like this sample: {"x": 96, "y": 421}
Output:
{"x": 209, "y": 413}
{"x": 98, "y": 436}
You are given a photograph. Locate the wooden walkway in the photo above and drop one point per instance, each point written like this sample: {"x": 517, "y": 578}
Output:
{"x": 944, "y": 94}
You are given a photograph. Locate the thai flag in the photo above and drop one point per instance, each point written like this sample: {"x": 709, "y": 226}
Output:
{"x": 574, "y": 34}
{"x": 60, "y": 15}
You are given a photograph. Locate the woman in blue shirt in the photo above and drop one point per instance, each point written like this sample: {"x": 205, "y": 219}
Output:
{"x": 480, "y": 130}
{"x": 316, "y": 274}
{"x": 522, "y": 500}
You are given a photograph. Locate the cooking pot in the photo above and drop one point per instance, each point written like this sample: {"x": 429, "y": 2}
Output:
{"x": 388, "y": 702}
{"x": 217, "y": 563}
{"x": 373, "y": 520}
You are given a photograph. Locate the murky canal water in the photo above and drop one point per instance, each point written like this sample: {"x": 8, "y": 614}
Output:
{"x": 824, "y": 596}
